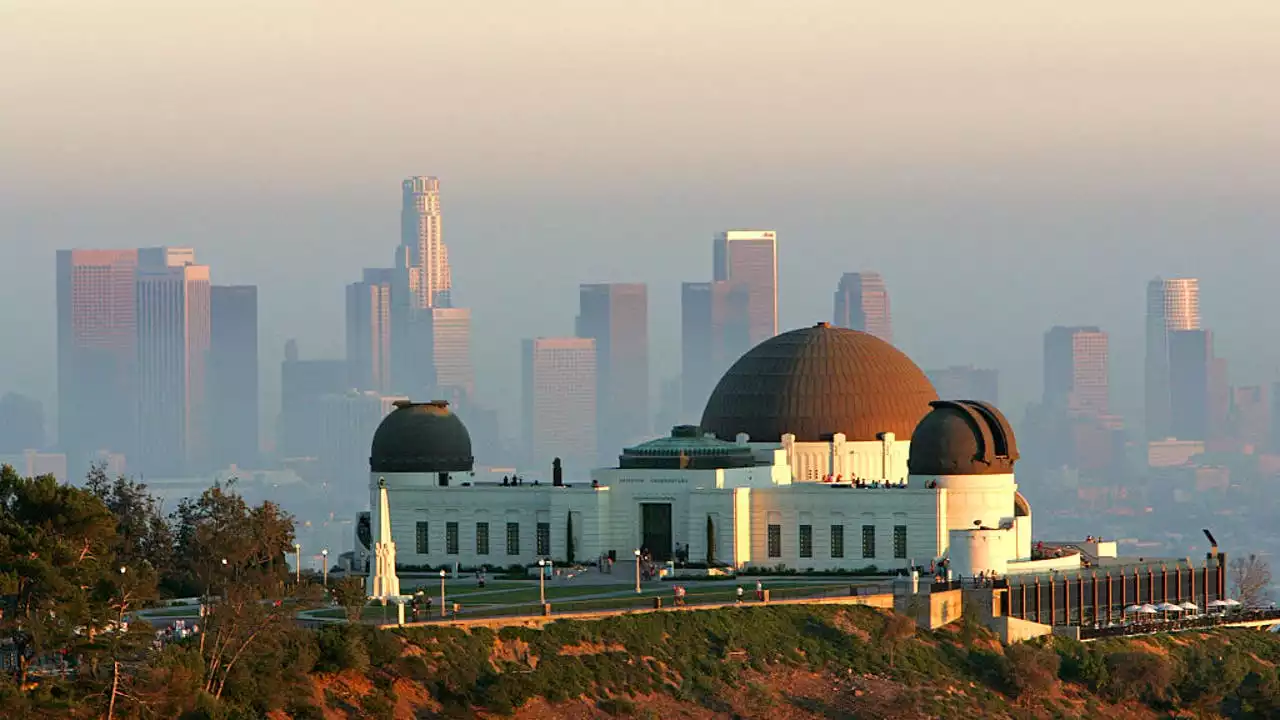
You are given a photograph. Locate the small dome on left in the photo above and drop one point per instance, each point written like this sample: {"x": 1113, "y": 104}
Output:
{"x": 421, "y": 438}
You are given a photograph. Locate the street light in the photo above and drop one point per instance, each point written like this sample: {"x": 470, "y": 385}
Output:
{"x": 637, "y": 552}
{"x": 297, "y": 561}
{"x": 325, "y": 554}
{"x": 542, "y": 587}
{"x": 442, "y": 576}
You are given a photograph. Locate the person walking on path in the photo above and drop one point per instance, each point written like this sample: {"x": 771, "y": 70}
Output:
{"x": 759, "y": 591}
{"x": 739, "y": 594}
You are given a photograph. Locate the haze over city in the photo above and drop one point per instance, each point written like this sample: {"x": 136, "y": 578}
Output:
{"x": 1050, "y": 162}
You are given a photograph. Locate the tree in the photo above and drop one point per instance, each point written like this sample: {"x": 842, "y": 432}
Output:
{"x": 350, "y": 594}
{"x": 142, "y": 533}
{"x": 711, "y": 542}
{"x": 55, "y": 550}
{"x": 897, "y": 629}
{"x": 1031, "y": 671}
{"x": 1251, "y": 580}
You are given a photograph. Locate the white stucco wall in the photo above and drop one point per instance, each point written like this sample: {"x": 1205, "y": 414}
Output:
{"x": 876, "y": 460}
{"x": 976, "y": 551}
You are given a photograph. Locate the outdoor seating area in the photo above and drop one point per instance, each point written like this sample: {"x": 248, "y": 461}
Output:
{"x": 1168, "y": 617}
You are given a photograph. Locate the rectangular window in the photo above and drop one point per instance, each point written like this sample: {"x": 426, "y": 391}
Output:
{"x": 775, "y": 541}
{"x": 837, "y": 541}
{"x": 513, "y": 538}
{"x": 868, "y": 541}
{"x": 451, "y": 538}
{"x": 482, "y": 538}
{"x": 900, "y": 541}
{"x": 806, "y": 541}
{"x": 420, "y": 538}
{"x": 544, "y": 539}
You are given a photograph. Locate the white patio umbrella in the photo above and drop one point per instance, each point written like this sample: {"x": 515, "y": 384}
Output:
{"x": 1219, "y": 604}
{"x": 1148, "y": 609}
{"x": 1168, "y": 607}
{"x": 1232, "y": 602}
{"x": 1133, "y": 609}
{"x": 1189, "y": 606}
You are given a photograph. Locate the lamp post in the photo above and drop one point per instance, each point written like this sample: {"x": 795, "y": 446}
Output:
{"x": 442, "y": 575}
{"x": 637, "y": 553}
{"x": 542, "y": 576}
{"x": 297, "y": 562}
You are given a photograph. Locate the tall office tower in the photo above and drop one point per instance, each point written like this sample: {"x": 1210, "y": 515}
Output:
{"x": 436, "y": 362}
{"x": 616, "y": 316}
{"x": 233, "y": 375}
{"x": 348, "y": 420}
{"x": 302, "y": 385}
{"x": 862, "y": 303}
{"x": 420, "y": 233}
{"x": 1274, "y": 436}
{"x": 1191, "y": 378}
{"x": 965, "y": 382}
{"x": 1172, "y": 305}
{"x": 97, "y": 353}
{"x": 21, "y": 424}
{"x": 1219, "y": 395}
{"x": 1251, "y": 417}
{"x": 560, "y": 403}
{"x": 714, "y": 333}
{"x": 173, "y": 315}
{"x": 750, "y": 258}
{"x": 1075, "y": 371}
{"x": 369, "y": 330}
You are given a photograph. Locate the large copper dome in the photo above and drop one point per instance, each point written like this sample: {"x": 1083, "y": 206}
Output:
{"x": 818, "y": 381}
{"x": 421, "y": 438}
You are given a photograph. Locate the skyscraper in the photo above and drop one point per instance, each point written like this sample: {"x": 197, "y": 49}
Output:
{"x": 1172, "y": 305}
{"x": 1191, "y": 377}
{"x": 233, "y": 375}
{"x": 21, "y": 424}
{"x": 616, "y": 316}
{"x": 714, "y": 334}
{"x": 173, "y": 316}
{"x": 559, "y": 405}
{"x": 347, "y": 421}
{"x": 369, "y": 330}
{"x": 862, "y": 303}
{"x": 750, "y": 258}
{"x": 1075, "y": 371}
{"x": 439, "y": 346}
{"x": 303, "y": 385}
{"x": 97, "y": 352}
{"x": 420, "y": 232}
{"x": 965, "y": 382}
{"x": 1251, "y": 417}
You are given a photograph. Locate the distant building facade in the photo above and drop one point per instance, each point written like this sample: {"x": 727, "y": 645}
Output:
{"x": 714, "y": 332}
{"x": 862, "y": 303}
{"x": 1076, "y": 375}
{"x": 616, "y": 317}
{"x": 369, "y": 334}
{"x": 749, "y": 258}
{"x": 1173, "y": 305}
{"x": 21, "y": 424}
{"x": 233, "y": 375}
{"x": 966, "y": 382}
{"x": 303, "y": 385}
{"x": 422, "y": 236}
{"x": 559, "y": 407}
{"x": 1190, "y": 384}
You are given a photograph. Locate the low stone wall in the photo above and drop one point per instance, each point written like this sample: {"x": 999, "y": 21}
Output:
{"x": 882, "y": 601}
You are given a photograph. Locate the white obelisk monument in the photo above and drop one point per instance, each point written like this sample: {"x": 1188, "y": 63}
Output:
{"x": 384, "y": 584}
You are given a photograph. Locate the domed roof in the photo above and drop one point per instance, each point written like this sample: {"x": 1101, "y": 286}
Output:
{"x": 421, "y": 437}
{"x": 963, "y": 437}
{"x": 686, "y": 448}
{"x": 818, "y": 381}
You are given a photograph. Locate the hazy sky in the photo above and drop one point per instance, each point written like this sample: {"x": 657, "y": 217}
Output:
{"x": 1006, "y": 165}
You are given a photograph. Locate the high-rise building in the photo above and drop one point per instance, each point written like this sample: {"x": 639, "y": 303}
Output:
{"x": 1191, "y": 377}
{"x": 560, "y": 403}
{"x": 438, "y": 356}
{"x": 347, "y": 421}
{"x": 965, "y": 382}
{"x": 1075, "y": 371}
{"x": 369, "y": 330}
{"x": 303, "y": 383}
{"x": 1251, "y": 417}
{"x": 420, "y": 233}
{"x": 616, "y": 316}
{"x": 97, "y": 353}
{"x": 233, "y": 375}
{"x": 713, "y": 335}
{"x": 862, "y": 303}
{"x": 750, "y": 258}
{"x": 1172, "y": 305}
{"x": 173, "y": 317}
{"x": 21, "y": 424}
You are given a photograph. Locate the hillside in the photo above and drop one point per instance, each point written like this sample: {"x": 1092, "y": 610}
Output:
{"x": 794, "y": 662}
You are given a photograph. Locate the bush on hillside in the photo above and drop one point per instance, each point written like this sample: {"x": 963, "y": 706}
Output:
{"x": 1142, "y": 676}
{"x": 1031, "y": 670}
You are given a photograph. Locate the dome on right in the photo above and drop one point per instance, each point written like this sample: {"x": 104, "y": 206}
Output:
{"x": 963, "y": 437}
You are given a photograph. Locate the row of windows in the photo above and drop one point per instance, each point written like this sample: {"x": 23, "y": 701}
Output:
{"x": 422, "y": 542}
{"x": 837, "y": 541}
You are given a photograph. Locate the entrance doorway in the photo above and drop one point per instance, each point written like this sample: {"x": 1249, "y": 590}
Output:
{"x": 655, "y": 530}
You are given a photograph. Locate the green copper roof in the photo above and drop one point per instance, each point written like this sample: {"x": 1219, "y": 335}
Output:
{"x": 688, "y": 448}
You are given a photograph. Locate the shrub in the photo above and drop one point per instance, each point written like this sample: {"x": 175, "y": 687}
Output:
{"x": 341, "y": 647}
{"x": 1140, "y": 676}
{"x": 617, "y": 706}
{"x": 1031, "y": 671}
